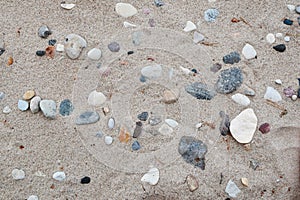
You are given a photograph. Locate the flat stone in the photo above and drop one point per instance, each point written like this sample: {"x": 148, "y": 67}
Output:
{"x": 185, "y": 70}
{"x": 96, "y": 98}
{"x": 249, "y": 52}
{"x": 192, "y": 183}
{"x": 298, "y": 9}
{"x": 198, "y": 37}
{"x": 231, "y": 58}
{"x": 67, "y": 6}
{"x": 28, "y": 95}
{"x": 23, "y": 105}
{"x": 108, "y": 140}
{"x": 2, "y": 95}
{"x": 154, "y": 120}
{"x": 135, "y": 146}
{"x": 59, "y": 176}
{"x": 60, "y": 48}
{"x": 87, "y": 117}
{"x": 169, "y": 97}
{"x": 200, "y": 91}
{"x": 243, "y": 126}
{"x": 66, "y": 107}
{"x": 165, "y": 130}
{"x": 151, "y": 72}
{"x": 210, "y": 15}
{"x": 190, "y": 26}
{"x": 18, "y": 174}
{"x": 143, "y": 116}
{"x": 6, "y": 110}
{"x": 231, "y": 189}
{"x": 35, "y": 104}
{"x": 241, "y": 99}
{"x": 33, "y": 197}
{"x": 114, "y": 47}
{"x": 151, "y": 177}
{"x": 229, "y": 80}
{"x": 270, "y": 38}
{"x": 125, "y": 10}
{"x": 193, "y": 151}
{"x": 272, "y": 95}
{"x": 94, "y": 54}
{"x": 171, "y": 122}
{"x": 48, "y": 108}
{"x": 74, "y": 45}
{"x": 129, "y": 25}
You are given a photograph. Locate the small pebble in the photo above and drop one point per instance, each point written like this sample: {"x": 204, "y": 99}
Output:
{"x": 137, "y": 130}
{"x": 190, "y": 26}
{"x": 171, "y": 122}
{"x": 232, "y": 189}
{"x": 249, "y": 52}
{"x": 229, "y": 80}
{"x": 60, "y": 47}
{"x": 192, "y": 183}
{"x": 2, "y": 50}
{"x": 18, "y": 174}
{"x": 159, "y": 3}
{"x": 111, "y": 123}
{"x": 130, "y": 52}
{"x": 73, "y": 45}
{"x": 294, "y": 97}
{"x": 272, "y": 94}
{"x": 233, "y": 57}
{"x": 59, "y": 176}
{"x": 143, "y": 79}
{"x": 96, "y": 98}
{"x": 35, "y": 104}
{"x": 129, "y": 25}
{"x": 6, "y": 110}
{"x": 143, "y": 116}
{"x": 48, "y": 108}
{"x": 99, "y": 134}
{"x": 87, "y": 117}
{"x": 154, "y": 120}
{"x": 216, "y": 67}
{"x": 270, "y": 38}
{"x": 52, "y": 42}
{"x": 44, "y": 31}
{"x": 165, "y": 130}
{"x": 279, "y": 35}
{"x": 288, "y": 22}
{"x": 85, "y": 180}
{"x": 241, "y": 99}
{"x": 108, "y": 140}
{"x": 280, "y": 47}
{"x": 289, "y": 91}
{"x": 136, "y": 38}
{"x": 28, "y": 95}
{"x": 224, "y": 124}
{"x": 50, "y": 51}
{"x": 264, "y": 128}
{"x": 2, "y": 95}
{"x": 33, "y": 197}
{"x": 40, "y": 53}
{"x": 151, "y": 22}
{"x": 291, "y": 8}
{"x": 200, "y": 91}
{"x": 210, "y": 15}
{"x": 278, "y": 82}
{"x": 23, "y": 105}
{"x": 67, "y": 6}
{"x": 298, "y": 93}
{"x": 254, "y": 164}
{"x": 298, "y": 19}
{"x": 114, "y": 47}
{"x": 125, "y": 10}
{"x": 66, "y": 107}
{"x": 298, "y": 9}
{"x": 198, "y": 37}
{"x": 152, "y": 71}
{"x": 245, "y": 182}
{"x": 287, "y": 38}
{"x": 169, "y": 97}
{"x": 151, "y": 177}
{"x": 248, "y": 91}
{"x": 136, "y": 146}
{"x": 124, "y": 135}
{"x": 94, "y": 54}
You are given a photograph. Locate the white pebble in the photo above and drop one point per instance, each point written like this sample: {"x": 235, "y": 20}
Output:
{"x": 249, "y": 51}
{"x": 6, "y": 110}
{"x": 67, "y": 6}
{"x": 198, "y": 125}
{"x": 151, "y": 177}
{"x": 171, "y": 122}
{"x": 231, "y": 189}
{"x": 18, "y": 174}
{"x": 294, "y": 97}
{"x": 60, "y": 47}
{"x": 125, "y": 9}
{"x": 108, "y": 140}
{"x": 59, "y": 176}
{"x": 129, "y": 25}
{"x": 279, "y": 35}
{"x": 291, "y": 8}
{"x": 94, "y": 54}
{"x": 198, "y": 37}
{"x": 23, "y": 105}
{"x": 287, "y": 38}
{"x": 35, "y": 104}
{"x": 96, "y": 98}
{"x": 185, "y": 70}
{"x": 278, "y": 81}
{"x": 33, "y": 197}
{"x": 241, "y": 99}
{"x": 111, "y": 123}
{"x": 190, "y": 26}
{"x": 165, "y": 130}
{"x": 272, "y": 94}
{"x": 270, "y": 38}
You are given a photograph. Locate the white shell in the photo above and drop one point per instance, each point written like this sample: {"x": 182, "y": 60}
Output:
{"x": 96, "y": 98}
{"x": 190, "y": 26}
{"x": 125, "y": 9}
{"x": 151, "y": 177}
{"x": 111, "y": 123}
{"x": 67, "y": 6}
{"x": 278, "y": 81}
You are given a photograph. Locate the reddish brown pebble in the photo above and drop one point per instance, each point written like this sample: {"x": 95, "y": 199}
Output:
{"x": 10, "y": 61}
{"x": 235, "y": 20}
{"x": 264, "y": 128}
{"x": 21, "y": 147}
{"x": 50, "y": 51}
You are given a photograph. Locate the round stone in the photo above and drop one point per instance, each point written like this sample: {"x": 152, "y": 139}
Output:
{"x": 287, "y": 38}
{"x": 114, "y": 47}
{"x": 87, "y": 117}
{"x": 279, "y": 35}
{"x": 18, "y": 174}
{"x": 190, "y": 26}
{"x": 270, "y": 38}
{"x": 192, "y": 183}
{"x": 241, "y": 99}
{"x": 23, "y": 105}
{"x": 151, "y": 177}
{"x": 40, "y": 53}
{"x": 35, "y": 104}
{"x": 44, "y": 31}
{"x": 294, "y": 97}
{"x": 94, "y": 54}
{"x": 28, "y": 95}
{"x": 171, "y": 122}
{"x": 48, "y": 108}
{"x": 96, "y": 98}
{"x": 111, "y": 123}
{"x": 6, "y": 110}
{"x": 278, "y": 82}
{"x": 108, "y": 140}
{"x": 66, "y": 107}
{"x": 2, "y": 95}
{"x": 74, "y": 45}
{"x": 249, "y": 52}
{"x": 59, "y": 176}
{"x": 125, "y": 9}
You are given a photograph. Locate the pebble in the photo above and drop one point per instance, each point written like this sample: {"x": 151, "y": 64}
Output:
{"x": 44, "y": 31}
{"x": 280, "y": 47}
{"x": 298, "y": 19}
{"x": 74, "y": 45}
{"x": 232, "y": 189}
{"x": 151, "y": 22}
{"x": 249, "y": 92}
{"x": 151, "y": 177}
{"x": 279, "y": 35}
{"x": 108, "y": 140}
{"x": 291, "y": 8}
{"x": 2, "y": 47}
{"x": 6, "y": 110}
{"x": 198, "y": 37}
{"x": 135, "y": 146}
{"x": 60, "y": 48}
{"x": 129, "y": 25}
{"x": 216, "y": 67}
{"x": 50, "y": 51}
{"x": 272, "y": 94}
{"x": 287, "y": 38}
{"x": 96, "y": 98}
{"x": 2, "y": 95}
{"x": 210, "y": 15}
{"x": 99, "y": 134}
{"x": 48, "y": 108}
{"x": 23, "y": 105}
{"x": 138, "y": 129}
{"x": 114, "y": 47}
{"x": 190, "y": 26}
{"x": 245, "y": 182}
{"x": 33, "y": 197}
{"x": 28, "y": 95}
{"x": 298, "y": 93}
{"x": 264, "y": 128}
{"x": 249, "y": 52}
{"x": 152, "y": 71}
{"x": 125, "y": 10}
{"x": 40, "y": 53}
{"x": 243, "y": 126}
{"x": 87, "y": 117}
{"x": 66, "y": 107}
{"x": 294, "y": 97}
{"x": 52, "y": 42}
{"x": 59, "y": 176}
{"x": 288, "y": 22}
{"x": 224, "y": 124}
{"x": 136, "y": 38}
{"x": 169, "y": 97}
{"x": 278, "y": 82}
{"x": 241, "y": 99}
{"x": 165, "y": 130}
{"x": 67, "y": 6}
{"x": 185, "y": 70}
{"x": 192, "y": 183}
{"x": 254, "y": 164}
{"x": 289, "y": 91}
{"x": 200, "y": 91}
{"x": 270, "y": 38}
{"x": 154, "y": 120}
{"x": 193, "y": 151}
{"x": 130, "y": 52}
{"x": 159, "y": 3}
{"x": 35, "y": 104}
{"x": 298, "y": 9}
{"x": 229, "y": 80}
{"x": 171, "y": 122}
{"x": 85, "y": 180}
{"x": 18, "y": 174}
{"x": 143, "y": 116}
{"x": 94, "y": 54}
{"x": 231, "y": 58}
{"x": 124, "y": 135}
{"x": 111, "y": 123}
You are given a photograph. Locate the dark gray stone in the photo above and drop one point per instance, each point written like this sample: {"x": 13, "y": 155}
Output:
{"x": 87, "y": 117}
{"x": 280, "y": 47}
{"x": 159, "y": 3}
{"x": 143, "y": 116}
{"x": 229, "y": 80}
{"x": 225, "y": 123}
{"x": 233, "y": 57}
{"x": 138, "y": 130}
{"x": 193, "y": 151}
{"x": 66, "y": 107}
{"x": 200, "y": 91}
{"x": 114, "y": 47}
{"x": 136, "y": 146}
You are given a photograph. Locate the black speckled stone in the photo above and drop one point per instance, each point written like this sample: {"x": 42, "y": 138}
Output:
{"x": 200, "y": 91}
{"x": 229, "y": 80}
{"x": 233, "y": 57}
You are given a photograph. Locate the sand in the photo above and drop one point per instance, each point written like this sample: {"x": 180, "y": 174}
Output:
{"x": 116, "y": 171}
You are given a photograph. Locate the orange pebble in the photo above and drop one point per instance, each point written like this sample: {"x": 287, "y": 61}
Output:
{"x": 124, "y": 135}
{"x": 50, "y": 51}
{"x": 10, "y": 61}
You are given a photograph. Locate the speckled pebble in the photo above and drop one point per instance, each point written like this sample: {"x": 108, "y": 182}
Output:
{"x": 66, "y": 107}
{"x": 114, "y": 47}
{"x": 200, "y": 91}
{"x": 48, "y": 108}
{"x": 210, "y": 15}
{"x": 87, "y": 117}
{"x": 229, "y": 80}
{"x": 231, "y": 58}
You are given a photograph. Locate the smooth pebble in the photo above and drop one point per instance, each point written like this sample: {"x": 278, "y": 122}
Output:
{"x": 108, "y": 140}
{"x": 135, "y": 146}
{"x": 74, "y": 45}
{"x": 245, "y": 182}
{"x": 143, "y": 116}
{"x": 88, "y": 117}
{"x": 294, "y": 97}
{"x": 85, "y": 180}
{"x": 6, "y": 110}
{"x": 298, "y": 9}
{"x": 249, "y": 52}
{"x": 291, "y": 8}
{"x": 279, "y": 35}
{"x": 60, "y": 48}
{"x": 94, "y": 54}
{"x": 66, "y": 107}
{"x": 125, "y": 9}
{"x": 159, "y": 3}
{"x": 33, "y": 197}
{"x": 44, "y": 31}
{"x": 241, "y": 99}
{"x": 280, "y": 47}
{"x": 278, "y": 82}
{"x": 171, "y": 122}
{"x": 48, "y": 108}
{"x": 229, "y": 80}
{"x": 287, "y": 38}
{"x": 151, "y": 177}
{"x": 198, "y": 37}
{"x": 67, "y": 6}
{"x": 59, "y": 176}
{"x": 232, "y": 189}
{"x": 190, "y": 26}
{"x": 96, "y": 98}
{"x": 35, "y": 104}
{"x": 270, "y": 38}
{"x": 2, "y": 95}
{"x": 272, "y": 94}
{"x": 18, "y": 174}
{"x": 231, "y": 58}
{"x": 28, "y": 95}
{"x": 151, "y": 72}
{"x": 264, "y": 128}
{"x": 169, "y": 97}
{"x": 114, "y": 47}
{"x": 138, "y": 129}
{"x": 111, "y": 123}
{"x": 23, "y": 105}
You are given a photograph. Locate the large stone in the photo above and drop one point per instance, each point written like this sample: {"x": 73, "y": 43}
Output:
{"x": 243, "y": 126}
{"x": 125, "y": 9}
{"x": 200, "y": 91}
{"x": 87, "y": 117}
{"x": 229, "y": 80}
{"x": 48, "y": 108}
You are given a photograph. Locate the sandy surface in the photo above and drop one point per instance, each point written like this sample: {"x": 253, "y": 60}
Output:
{"x": 60, "y": 145}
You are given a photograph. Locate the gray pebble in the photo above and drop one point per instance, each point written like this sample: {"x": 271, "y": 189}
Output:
{"x": 298, "y": 9}
{"x": 2, "y": 95}
{"x": 44, "y": 31}
{"x": 87, "y": 117}
{"x": 200, "y": 91}
{"x": 136, "y": 38}
{"x": 233, "y": 57}
{"x": 229, "y": 80}
{"x": 35, "y": 104}
{"x": 136, "y": 146}
{"x": 210, "y": 15}
{"x": 193, "y": 151}
{"x": 48, "y": 108}
{"x": 138, "y": 129}
{"x": 114, "y": 47}
{"x": 23, "y": 105}
{"x": 66, "y": 107}
{"x": 225, "y": 123}
{"x": 154, "y": 120}
{"x": 159, "y": 3}
{"x": 143, "y": 116}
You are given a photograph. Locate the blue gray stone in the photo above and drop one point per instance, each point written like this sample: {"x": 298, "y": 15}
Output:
{"x": 23, "y": 105}
{"x": 233, "y": 57}
{"x": 229, "y": 80}
{"x": 143, "y": 116}
{"x": 159, "y": 3}
{"x": 87, "y": 117}
{"x": 210, "y": 15}
{"x": 114, "y": 47}
{"x": 200, "y": 91}
{"x": 48, "y": 108}
{"x": 136, "y": 146}
{"x": 66, "y": 107}
{"x": 2, "y": 95}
